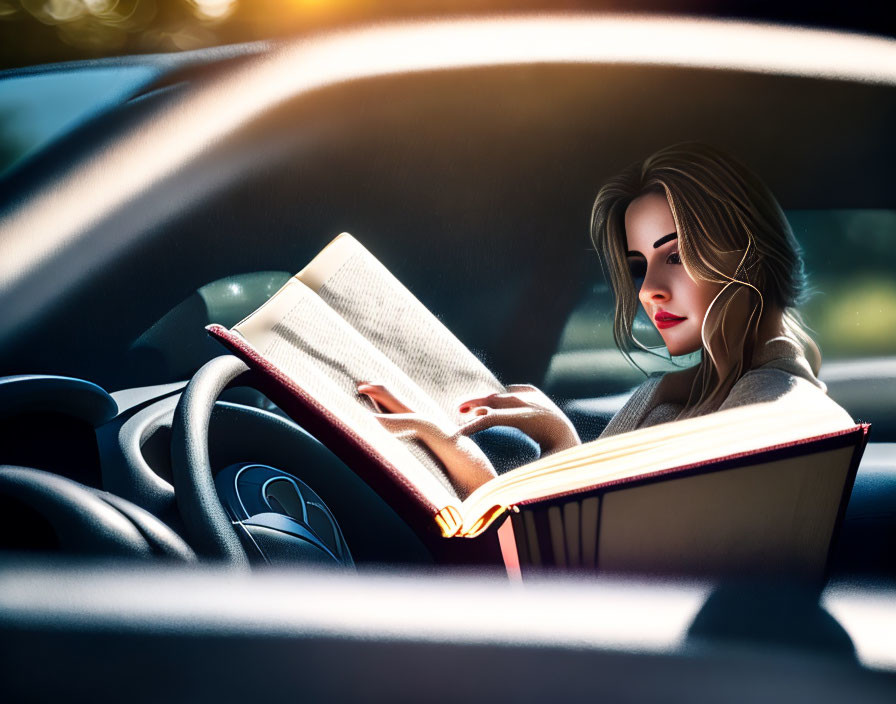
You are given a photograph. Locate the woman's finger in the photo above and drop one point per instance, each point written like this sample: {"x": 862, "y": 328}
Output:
{"x": 521, "y": 388}
{"x": 491, "y": 401}
{"x": 410, "y": 423}
{"x": 383, "y": 398}
{"x": 491, "y": 418}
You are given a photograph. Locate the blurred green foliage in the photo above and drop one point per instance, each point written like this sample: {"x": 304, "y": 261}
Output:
{"x": 850, "y": 260}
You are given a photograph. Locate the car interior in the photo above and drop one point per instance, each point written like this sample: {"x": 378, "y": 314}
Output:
{"x": 185, "y": 189}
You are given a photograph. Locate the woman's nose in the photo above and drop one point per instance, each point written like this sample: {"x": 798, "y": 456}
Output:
{"x": 653, "y": 291}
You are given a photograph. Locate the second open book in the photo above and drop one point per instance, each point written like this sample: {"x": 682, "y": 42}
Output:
{"x": 346, "y": 319}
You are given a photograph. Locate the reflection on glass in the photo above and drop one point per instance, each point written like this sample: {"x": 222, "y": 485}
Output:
{"x": 36, "y": 109}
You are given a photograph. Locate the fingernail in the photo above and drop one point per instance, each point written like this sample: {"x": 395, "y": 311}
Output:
{"x": 481, "y": 411}
{"x": 464, "y": 409}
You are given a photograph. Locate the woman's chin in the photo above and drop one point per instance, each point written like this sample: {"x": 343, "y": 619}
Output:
{"x": 679, "y": 348}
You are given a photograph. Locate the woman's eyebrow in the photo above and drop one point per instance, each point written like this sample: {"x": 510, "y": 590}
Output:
{"x": 659, "y": 243}
{"x": 665, "y": 238}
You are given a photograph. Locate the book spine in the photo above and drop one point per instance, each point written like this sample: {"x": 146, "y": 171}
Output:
{"x": 557, "y": 535}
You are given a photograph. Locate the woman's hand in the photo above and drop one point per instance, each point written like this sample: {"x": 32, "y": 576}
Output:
{"x": 466, "y": 465}
{"x": 526, "y": 408}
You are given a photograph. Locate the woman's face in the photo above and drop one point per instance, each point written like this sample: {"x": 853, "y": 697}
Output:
{"x": 674, "y": 301}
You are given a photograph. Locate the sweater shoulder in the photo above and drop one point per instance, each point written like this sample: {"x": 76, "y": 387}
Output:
{"x": 639, "y": 404}
{"x": 773, "y": 383}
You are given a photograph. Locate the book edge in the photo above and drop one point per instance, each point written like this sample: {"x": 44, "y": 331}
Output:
{"x": 483, "y": 522}
{"x": 848, "y": 484}
{"x": 328, "y": 261}
{"x": 704, "y": 466}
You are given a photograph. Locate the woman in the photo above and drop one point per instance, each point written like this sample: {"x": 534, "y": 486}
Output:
{"x": 702, "y": 245}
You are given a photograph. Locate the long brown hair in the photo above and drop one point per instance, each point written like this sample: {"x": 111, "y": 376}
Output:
{"x": 732, "y": 232}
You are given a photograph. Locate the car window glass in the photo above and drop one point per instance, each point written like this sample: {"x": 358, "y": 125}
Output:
{"x": 35, "y": 109}
{"x": 850, "y": 260}
{"x": 851, "y": 307}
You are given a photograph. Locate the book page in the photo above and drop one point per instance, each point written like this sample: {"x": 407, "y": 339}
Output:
{"x": 366, "y": 294}
{"x": 655, "y": 449}
{"x": 302, "y": 336}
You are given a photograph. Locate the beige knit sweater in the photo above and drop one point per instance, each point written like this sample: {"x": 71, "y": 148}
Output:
{"x": 779, "y": 370}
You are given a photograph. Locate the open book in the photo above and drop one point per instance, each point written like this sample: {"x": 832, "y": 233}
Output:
{"x": 764, "y": 484}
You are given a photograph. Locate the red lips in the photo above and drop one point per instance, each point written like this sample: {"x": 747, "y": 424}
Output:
{"x": 664, "y": 320}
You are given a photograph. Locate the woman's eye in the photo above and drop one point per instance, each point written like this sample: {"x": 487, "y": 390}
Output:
{"x": 637, "y": 268}
{"x": 673, "y": 258}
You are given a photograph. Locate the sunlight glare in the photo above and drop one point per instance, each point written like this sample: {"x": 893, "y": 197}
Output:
{"x": 213, "y": 9}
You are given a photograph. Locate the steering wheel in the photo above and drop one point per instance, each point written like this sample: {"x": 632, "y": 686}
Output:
{"x": 273, "y": 534}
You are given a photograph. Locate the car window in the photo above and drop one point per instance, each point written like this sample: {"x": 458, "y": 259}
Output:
{"x": 851, "y": 307}
{"x": 36, "y": 109}
{"x": 850, "y": 260}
